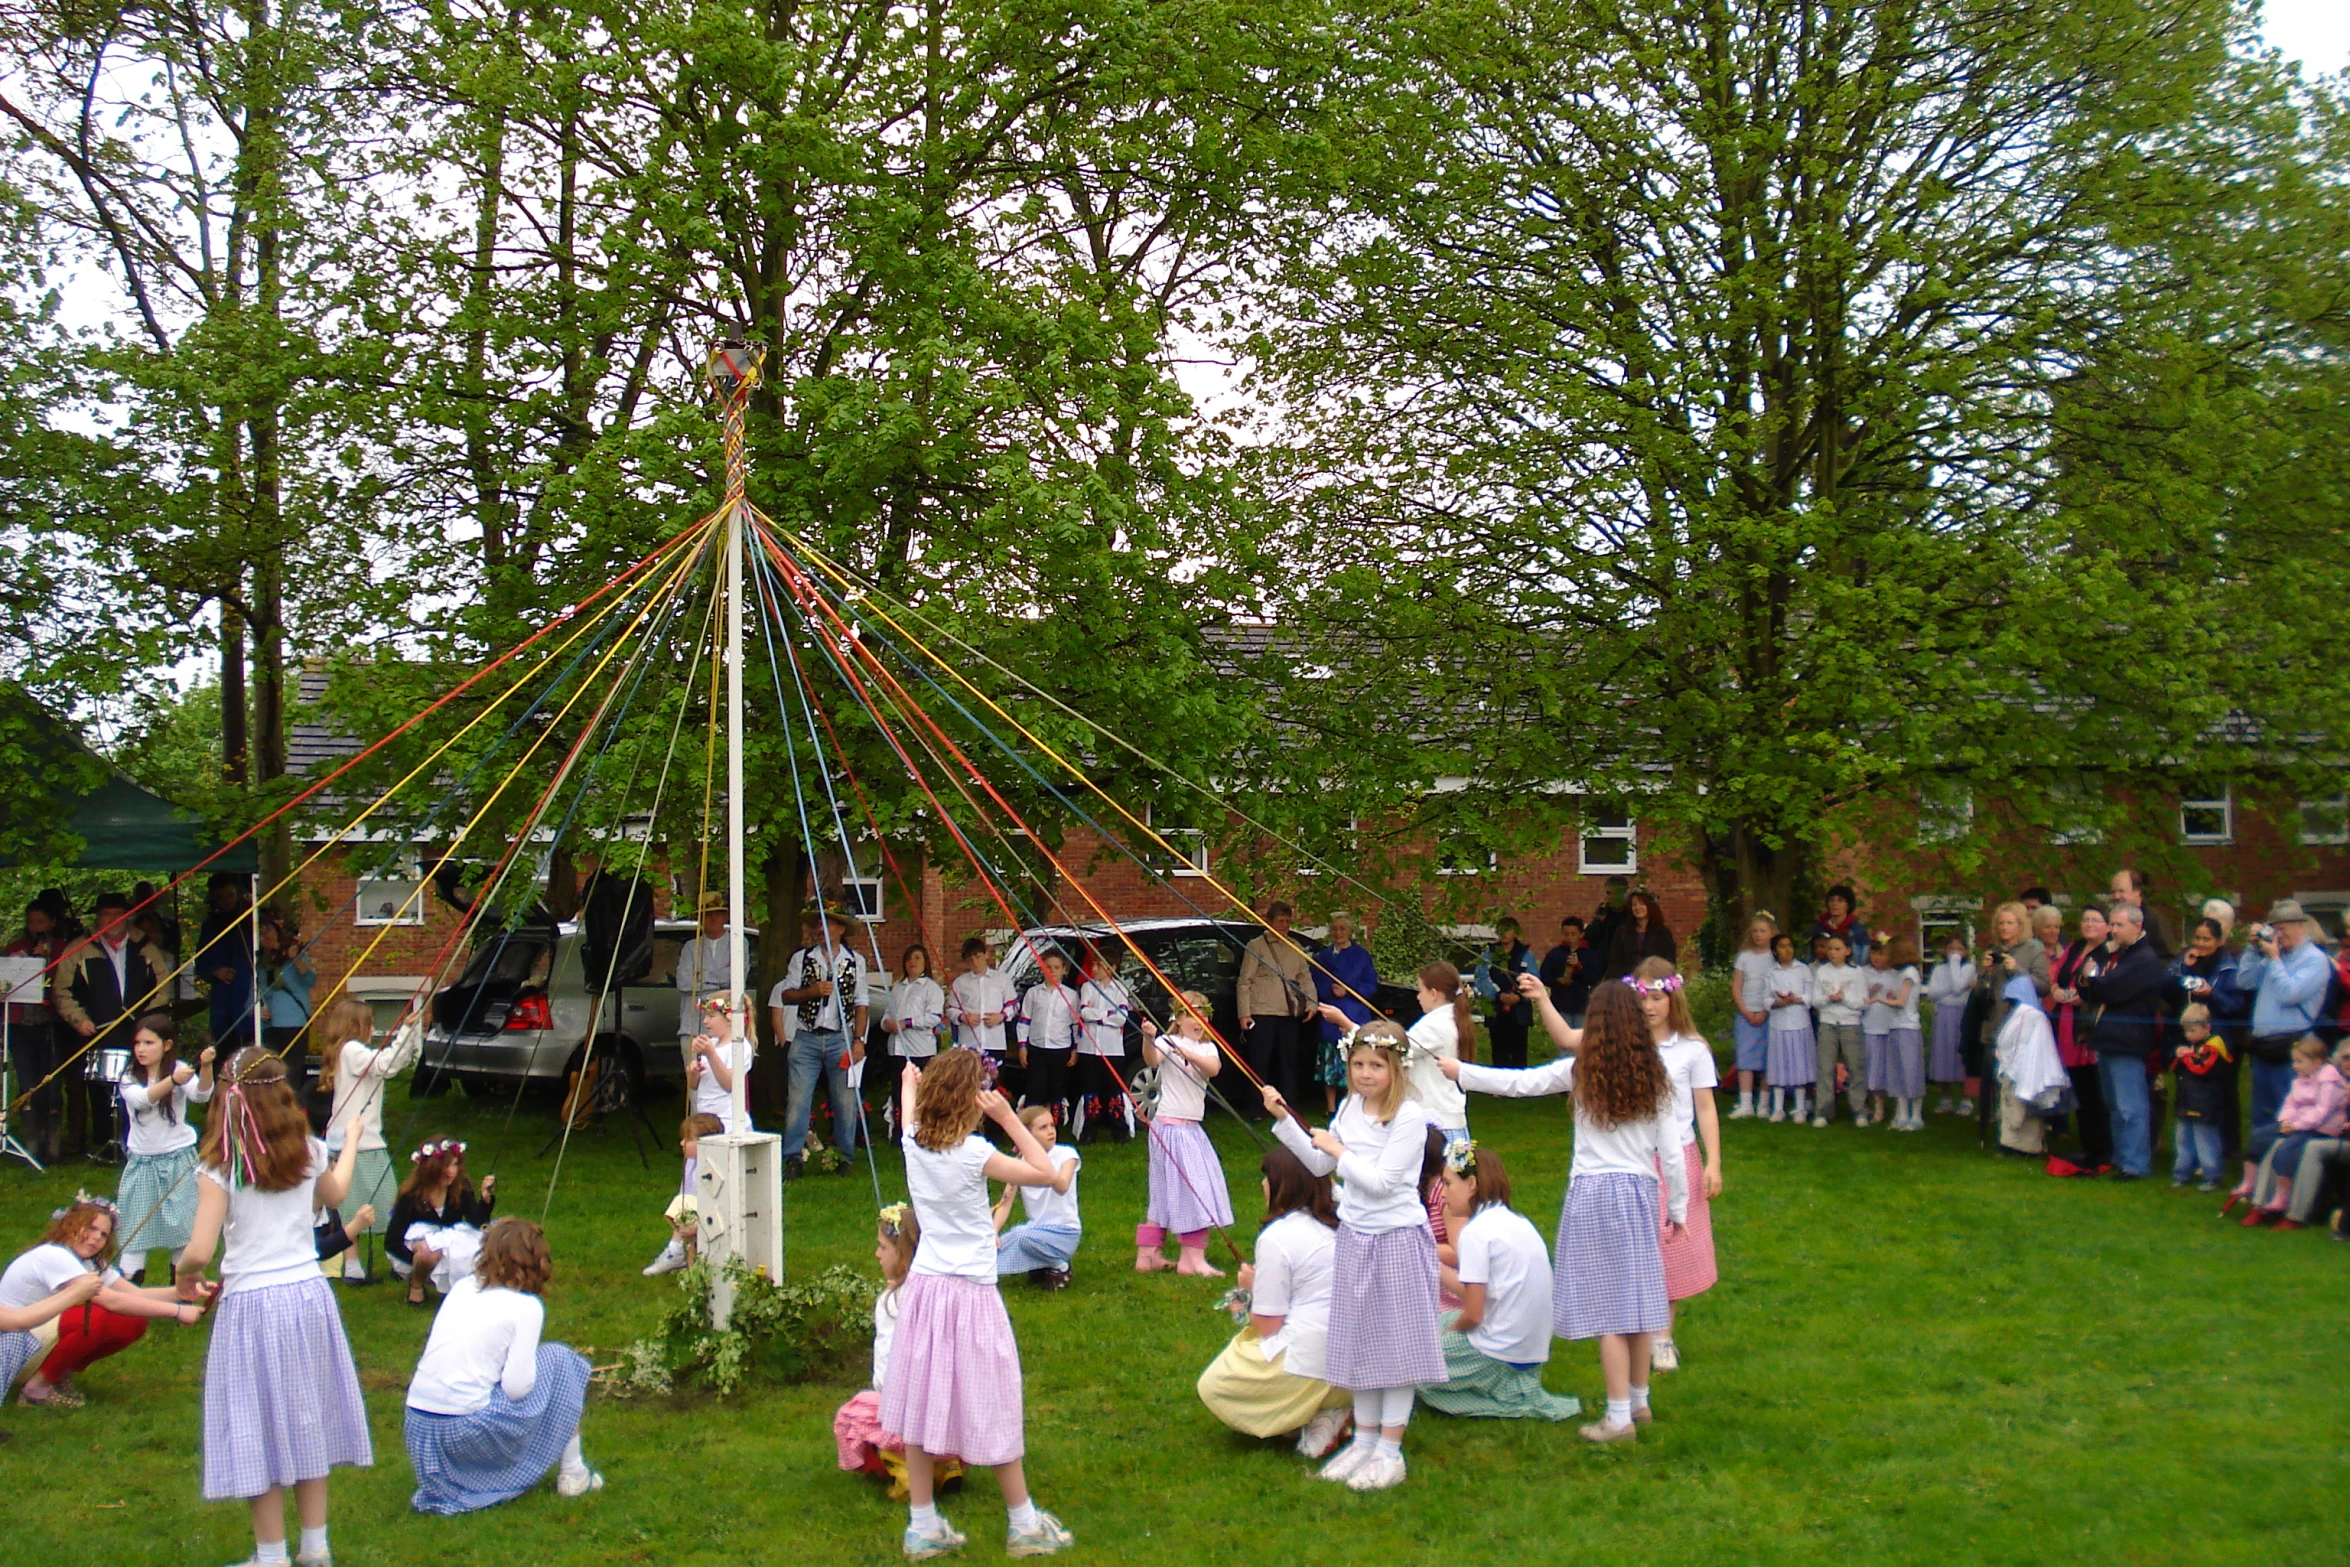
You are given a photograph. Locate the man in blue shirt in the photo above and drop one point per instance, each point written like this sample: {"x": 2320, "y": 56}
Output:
{"x": 2287, "y": 974}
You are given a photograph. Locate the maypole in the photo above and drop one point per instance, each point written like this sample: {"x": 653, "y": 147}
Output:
{"x": 740, "y": 1177}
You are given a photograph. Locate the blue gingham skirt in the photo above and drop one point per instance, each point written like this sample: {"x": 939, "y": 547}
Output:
{"x": 1792, "y": 1062}
{"x": 1897, "y": 1063}
{"x": 156, "y": 1202}
{"x": 281, "y": 1394}
{"x": 1949, "y": 1063}
{"x": 1383, "y": 1310}
{"x": 1609, "y": 1272}
{"x": 1187, "y": 1179}
{"x": 1028, "y": 1247}
{"x": 1753, "y": 1043}
{"x": 16, "y": 1352}
{"x": 464, "y": 1463}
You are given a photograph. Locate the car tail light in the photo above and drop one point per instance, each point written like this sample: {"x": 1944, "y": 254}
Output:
{"x": 529, "y": 1012}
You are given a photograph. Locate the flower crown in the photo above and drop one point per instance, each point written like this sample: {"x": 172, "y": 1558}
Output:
{"x": 893, "y": 1219}
{"x": 435, "y": 1148}
{"x": 83, "y": 1200}
{"x": 1362, "y": 1035}
{"x": 1461, "y": 1157}
{"x": 1655, "y": 987}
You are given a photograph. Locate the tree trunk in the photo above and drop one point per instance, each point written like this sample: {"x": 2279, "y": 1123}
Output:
{"x": 1744, "y": 876}
{"x": 235, "y": 749}
{"x": 562, "y": 883}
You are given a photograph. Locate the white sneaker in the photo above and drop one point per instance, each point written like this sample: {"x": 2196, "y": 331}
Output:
{"x": 1777, "y": 1116}
{"x": 1663, "y": 1356}
{"x": 1322, "y": 1432}
{"x": 921, "y": 1545}
{"x": 1350, "y": 1458}
{"x": 1742, "y": 1112}
{"x": 671, "y": 1260}
{"x": 1377, "y": 1473}
{"x": 1046, "y": 1537}
{"x": 1945, "y": 1107}
{"x": 578, "y": 1484}
{"x": 1966, "y": 1107}
{"x": 1819, "y": 1120}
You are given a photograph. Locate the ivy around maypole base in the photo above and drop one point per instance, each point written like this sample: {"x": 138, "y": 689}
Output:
{"x": 781, "y": 1330}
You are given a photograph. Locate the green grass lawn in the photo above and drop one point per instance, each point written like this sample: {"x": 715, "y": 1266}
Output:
{"x": 1917, "y": 1353}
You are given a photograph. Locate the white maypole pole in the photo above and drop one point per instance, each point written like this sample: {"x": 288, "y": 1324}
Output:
{"x": 739, "y": 1180}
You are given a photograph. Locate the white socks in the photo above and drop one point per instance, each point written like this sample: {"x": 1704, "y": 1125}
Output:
{"x": 269, "y": 1551}
{"x": 314, "y": 1541}
{"x": 1778, "y": 1101}
{"x": 1022, "y": 1516}
{"x": 925, "y": 1515}
{"x": 1390, "y": 1447}
{"x": 1619, "y": 1411}
{"x": 1801, "y": 1094}
{"x": 1639, "y": 1398}
{"x": 574, "y": 1462}
{"x": 1746, "y": 1100}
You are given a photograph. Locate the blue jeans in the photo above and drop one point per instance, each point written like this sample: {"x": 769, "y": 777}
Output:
{"x": 2271, "y": 1082}
{"x": 817, "y": 1053}
{"x": 1028, "y": 1247}
{"x": 2131, "y": 1111}
{"x": 2198, "y": 1150}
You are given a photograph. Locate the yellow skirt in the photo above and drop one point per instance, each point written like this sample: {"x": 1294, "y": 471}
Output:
{"x": 1250, "y": 1393}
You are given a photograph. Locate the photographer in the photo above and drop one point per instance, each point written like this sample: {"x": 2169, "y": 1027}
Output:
{"x": 2287, "y": 974}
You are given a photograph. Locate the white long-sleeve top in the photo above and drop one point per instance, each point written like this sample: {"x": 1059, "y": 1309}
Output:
{"x": 1634, "y": 1148}
{"x": 1048, "y": 1017}
{"x": 918, "y": 1006}
{"x": 980, "y": 994}
{"x": 482, "y": 1340}
{"x": 1104, "y": 1005}
{"x": 1183, "y": 1088}
{"x": 360, "y": 1076}
{"x": 1839, "y": 990}
{"x": 1379, "y": 1178}
{"x": 1950, "y": 983}
{"x": 161, "y": 1125}
{"x": 1794, "y": 979}
{"x": 1436, "y": 1037}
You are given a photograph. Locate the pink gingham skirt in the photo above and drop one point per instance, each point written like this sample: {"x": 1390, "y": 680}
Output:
{"x": 954, "y": 1372}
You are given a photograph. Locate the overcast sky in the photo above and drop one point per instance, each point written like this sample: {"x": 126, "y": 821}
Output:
{"x": 2315, "y": 32}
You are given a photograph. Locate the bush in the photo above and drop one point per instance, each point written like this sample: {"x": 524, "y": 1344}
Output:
{"x": 783, "y": 1330}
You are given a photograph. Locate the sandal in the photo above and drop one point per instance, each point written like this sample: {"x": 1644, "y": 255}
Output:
{"x": 58, "y": 1397}
{"x": 415, "y": 1292}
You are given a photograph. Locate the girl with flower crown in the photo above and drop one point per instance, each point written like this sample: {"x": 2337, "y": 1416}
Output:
{"x": 1497, "y": 1343}
{"x": 281, "y": 1393}
{"x": 865, "y": 1446}
{"x": 1608, "y": 1275}
{"x": 436, "y": 1225}
{"x": 98, "y": 1313}
{"x": 1383, "y": 1340}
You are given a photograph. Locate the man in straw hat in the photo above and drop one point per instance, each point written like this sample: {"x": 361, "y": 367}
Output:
{"x": 821, "y": 1002}
{"x": 2287, "y": 974}
{"x": 705, "y": 968}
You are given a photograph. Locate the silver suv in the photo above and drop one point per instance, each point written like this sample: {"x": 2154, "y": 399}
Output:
{"x": 523, "y": 1011}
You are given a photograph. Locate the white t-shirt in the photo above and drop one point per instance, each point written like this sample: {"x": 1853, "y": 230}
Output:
{"x": 1296, "y": 1255}
{"x": 843, "y": 967}
{"x": 42, "y": 1272}
{"x": 1104, "y": 1005}
{"x": 1183, "y": 1093}
{"x": 1839, "y": 990}
{"x": 950, "y": 1198}
{"x": 161, "y": 1126}
{"x": 361, "y": 1072}
{"x": 482, "y": 1339}
{"x": 917, "y": 1005}
{"x": 1884, "y": 1015}
{"x": 885, "y": 1333}
{"x": 1752, "y": 974}
{"x": 980, "y": 994}
{"x": 267, "y": 1238}
{"x": 712, "y": 1099}
{"x": 1379, "y": 1179}
{"x": 1635, "y": 1148}
{"x": 1689, "y": 1066}
{"x": 1046, "y": 1208}
{"x": 1436, "y": 1037}
{"x": 1501, "y": 1249}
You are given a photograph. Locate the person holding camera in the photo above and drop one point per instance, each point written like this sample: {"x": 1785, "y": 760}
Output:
{"x": 2286, "y": 974}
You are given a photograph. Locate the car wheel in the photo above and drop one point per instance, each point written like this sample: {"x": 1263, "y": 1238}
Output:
{"x": 482, "y": 1088}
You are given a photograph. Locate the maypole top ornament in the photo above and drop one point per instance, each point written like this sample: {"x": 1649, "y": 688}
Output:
{"x": 733, "y": 368}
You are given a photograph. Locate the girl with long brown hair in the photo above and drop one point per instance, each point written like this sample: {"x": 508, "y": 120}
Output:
{"x": 281, "y": 1394}
{"x": 1608, "y": 1277}
{"x": 157, "y": 1193}
{"x": 1273, "y": 1377}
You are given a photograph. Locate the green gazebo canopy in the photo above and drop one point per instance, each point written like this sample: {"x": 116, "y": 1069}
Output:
{"x": 57, "y": 778}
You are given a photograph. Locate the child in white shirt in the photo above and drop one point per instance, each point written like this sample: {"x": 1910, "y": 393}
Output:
{"x": 1188, "y": 1196}
{"x": 1750, "y": 1001}
{"x": 1948, "y": 987}
{"x": 1792, "y": 1067}
{"x": 1839, "y": 993}
{"x": 156, "y": 1197}
{"x": 1043, "y": 1247}
{"x": 864, "y": 1447}
{"x": 1889, "y": 1035}
{"x": 1496, "y": 1345}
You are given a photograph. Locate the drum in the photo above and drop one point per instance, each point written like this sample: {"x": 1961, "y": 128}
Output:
{"x": 110, "y": 1065}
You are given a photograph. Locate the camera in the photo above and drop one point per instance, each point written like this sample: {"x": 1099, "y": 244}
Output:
{"x": 2264, "y": 932}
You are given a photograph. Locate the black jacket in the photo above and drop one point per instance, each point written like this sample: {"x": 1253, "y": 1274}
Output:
{"x": 410, "y": 1208}
{"x": 2206, "y": 1087}
{"x": 1569, "y": 994}
{"x": 2130, "y": 990}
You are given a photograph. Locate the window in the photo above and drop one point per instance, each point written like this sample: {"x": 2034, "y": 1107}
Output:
{"x": 2207, "y": 818}
{"x": 2326, "y": 821}
{"x": 1939, "y": 919}
{"x": 1459, "y": 853}
{"x": 1609, "y": 844}
{"x": 395, "y": 897}
{"x": 862, "y": 894}
{"x": 1184, "y": 851}
{"x": 1946, "y": 811}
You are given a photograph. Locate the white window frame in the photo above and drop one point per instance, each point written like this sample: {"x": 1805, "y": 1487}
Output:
{"x": 1444, "y": 853}
{"x": 866, "y": 898}
{"x": 399, "y": 887}
{"x": 2224, "y": 803}
{"x": 2338, "y": 807}
{"x": 1177, "y": 839}
{"x": 1944, "y": 910}
{"x": 1626, "y": 833}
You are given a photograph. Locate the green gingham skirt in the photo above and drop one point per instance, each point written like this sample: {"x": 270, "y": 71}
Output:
{"x": 1479, "y": 1386}
{"x": 155, "y": 1202}
{"x": 371, "y": 1182}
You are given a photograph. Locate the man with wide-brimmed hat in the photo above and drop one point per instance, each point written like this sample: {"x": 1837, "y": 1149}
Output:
{"x": 705, "y": 968}
{"x": 821, "y": 1002}
{"x": 2287, "y": 974}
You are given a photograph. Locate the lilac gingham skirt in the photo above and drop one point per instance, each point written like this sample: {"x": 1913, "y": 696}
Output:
{"x": 1187, "y": 1179}
{"x": 1383, "y": 1328}
{"x": 1793, "y": 1063}
{"x": 1610, "y": 1271}
{"x": 1753, "y": 1043}
{"x": 1876, "y": 1062}
{"x": 1905, "y": 1064}
{"x": 1949, "y": 1063}
{"x": 464, "y": 1463}
{"x": 281, "y": 1395}
{"x": 954, "y": 1372}
{"x": 16, "y": 1352}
